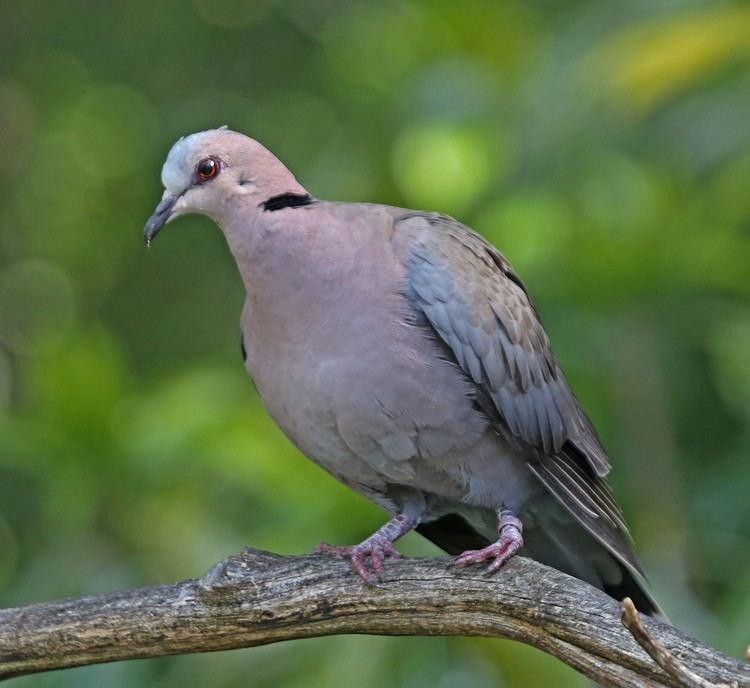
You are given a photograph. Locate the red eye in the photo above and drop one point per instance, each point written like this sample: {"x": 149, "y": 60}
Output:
{"x": 207, "y": 169}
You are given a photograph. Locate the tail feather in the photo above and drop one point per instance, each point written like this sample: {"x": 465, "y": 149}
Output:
{"x": 628, "y": 586}
{"x": 454, "y": 534}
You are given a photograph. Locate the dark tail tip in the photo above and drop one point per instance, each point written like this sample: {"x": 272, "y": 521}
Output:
{"x": 632, "y": 588}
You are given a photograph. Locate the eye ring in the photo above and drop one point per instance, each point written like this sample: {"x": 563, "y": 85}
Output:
{"x": 207, "y": 169}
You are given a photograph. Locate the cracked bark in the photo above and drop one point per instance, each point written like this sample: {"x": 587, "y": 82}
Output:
{"x": 258, "y": 598}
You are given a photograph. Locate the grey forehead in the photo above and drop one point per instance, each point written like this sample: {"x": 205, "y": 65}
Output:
{"x": 177, "y": 172}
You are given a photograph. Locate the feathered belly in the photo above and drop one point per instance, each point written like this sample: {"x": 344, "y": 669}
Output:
{"x": 400, "y": 416}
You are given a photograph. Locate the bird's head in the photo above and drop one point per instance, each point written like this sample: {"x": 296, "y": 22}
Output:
{"x": 208, "y": 172}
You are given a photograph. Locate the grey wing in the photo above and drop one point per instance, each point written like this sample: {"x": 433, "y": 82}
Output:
{"x": 478, "y": 308}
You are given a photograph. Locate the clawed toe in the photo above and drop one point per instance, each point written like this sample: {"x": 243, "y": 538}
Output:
{"x": 368, "y": 557}
{"x": 360, "y": 556}
{"x": 478, "y": 556}
{"x": 498, "y": 553}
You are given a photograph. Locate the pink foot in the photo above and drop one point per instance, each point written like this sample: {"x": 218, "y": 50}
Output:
{"x": 375, "y": 548}
{"x": 359, "y": 555}
{"x": 510, "y": 540}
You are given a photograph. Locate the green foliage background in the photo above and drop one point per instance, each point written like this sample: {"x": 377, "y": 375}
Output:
{"x": 603, "y": 146}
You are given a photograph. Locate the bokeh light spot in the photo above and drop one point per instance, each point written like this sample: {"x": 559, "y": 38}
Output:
{"x": 53, "y": 78}
{"x": 647, "y": 64}
{"x": 37, "y": 307}
{"x": 438, "y": 167}
{"x": 113, "y": 130}
{"x": 372, "y": 46}
{"x": 529, "y": 228}
{"x": 619, "y": 195}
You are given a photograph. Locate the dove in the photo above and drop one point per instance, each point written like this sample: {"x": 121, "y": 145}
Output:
{"x": 400, "y": 351}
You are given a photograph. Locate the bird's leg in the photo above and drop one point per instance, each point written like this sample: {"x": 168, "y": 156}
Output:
{"x": 375, "y": 548}
{"x": 509, "y": 541}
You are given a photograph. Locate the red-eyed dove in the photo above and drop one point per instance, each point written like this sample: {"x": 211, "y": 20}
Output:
{"x": 400, "y": 352}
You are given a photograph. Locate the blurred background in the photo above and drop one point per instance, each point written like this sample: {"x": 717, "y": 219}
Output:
{"x": 603, "y": 146}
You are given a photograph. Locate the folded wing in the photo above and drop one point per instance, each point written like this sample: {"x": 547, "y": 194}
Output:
{"x": 477, "y": 308}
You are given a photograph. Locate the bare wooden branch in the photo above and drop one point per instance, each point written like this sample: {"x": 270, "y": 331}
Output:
{"x": 665, "y": 659}
{"x": 258, "y": 598}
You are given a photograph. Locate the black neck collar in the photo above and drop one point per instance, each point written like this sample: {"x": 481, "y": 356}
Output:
{"x": 287, "y": 200}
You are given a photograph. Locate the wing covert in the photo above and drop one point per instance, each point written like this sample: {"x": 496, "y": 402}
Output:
{"x": 479, "y": 308}
{"x": 475, "y": 304}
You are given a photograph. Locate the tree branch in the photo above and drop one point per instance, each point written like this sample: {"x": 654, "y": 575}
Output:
{"x": 665, "y": 659}
{"x": 258, "y": 598}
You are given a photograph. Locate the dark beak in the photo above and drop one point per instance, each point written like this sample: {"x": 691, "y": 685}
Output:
{"x": 160, "y": 217}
